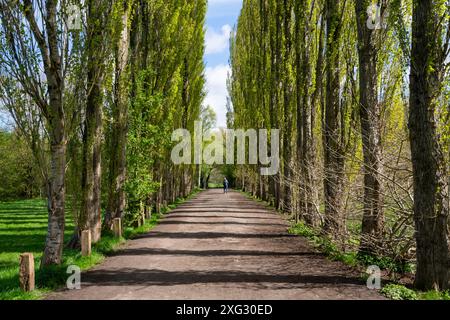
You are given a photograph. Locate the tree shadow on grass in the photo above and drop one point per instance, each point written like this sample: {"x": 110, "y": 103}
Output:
{"x": 21, "y": 243}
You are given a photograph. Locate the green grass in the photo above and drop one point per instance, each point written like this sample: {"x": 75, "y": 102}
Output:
{"x": 324, "y": 244}
{"x": 130, "y": 233}
{"x": 399, "y": 292}
{"x": 23, "y": 228}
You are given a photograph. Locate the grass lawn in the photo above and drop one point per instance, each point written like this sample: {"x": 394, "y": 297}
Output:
{"x": 23, "y": 228}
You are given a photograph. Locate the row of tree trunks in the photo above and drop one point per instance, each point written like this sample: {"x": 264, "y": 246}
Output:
{"x": 262, "y": 57}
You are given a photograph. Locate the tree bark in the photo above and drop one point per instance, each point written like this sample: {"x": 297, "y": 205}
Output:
{"x": 431, "y": 208}
{"x": 334, "y": 160}
{"x": 92, "y": 137}
{"x": 117, "y": 166}
{"x": 56, "y": 198}
{"x": 305, "y": 115}
{"x": 373, "y": 218}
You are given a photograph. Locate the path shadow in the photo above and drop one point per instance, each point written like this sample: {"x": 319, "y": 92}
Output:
{"x": 156, "y": 277}
{"x": 181, "y": 214}
{"x": 224, "y": 207}
{"x": 179, "y": 222}
{"x": 212, "y": 235}
{"x": 213, "y": 253}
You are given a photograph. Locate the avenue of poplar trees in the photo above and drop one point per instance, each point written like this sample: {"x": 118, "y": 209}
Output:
{"x": 97, "y": 101}
{"x": 363, "y": 107}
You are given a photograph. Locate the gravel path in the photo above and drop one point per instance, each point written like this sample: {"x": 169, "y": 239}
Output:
{"x": 219, "y": 246}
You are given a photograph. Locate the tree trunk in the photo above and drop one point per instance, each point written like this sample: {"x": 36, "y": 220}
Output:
{"x": 56, "y": 200}
{"x": 92, "y": 137}
{"x": 305, "y": 115}
{"x": 58, "y": 140}
{"x": 288, "y": 107}
{"x": 117, "y": 167}
{"x": 431, "y": 208}
{"x": 332, "y": 130}
{"x": 373, "y": 218}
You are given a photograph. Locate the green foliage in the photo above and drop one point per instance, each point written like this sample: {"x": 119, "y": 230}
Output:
{"x": 434, "y": 295}
{"x": 386, "y": 263}
{"x": 18, "y": 171}
{"x": 399, "y": 292}
{"x": 167, "y": 93}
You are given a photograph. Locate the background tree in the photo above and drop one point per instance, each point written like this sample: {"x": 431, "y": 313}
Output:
{"x": 370, "y": 118}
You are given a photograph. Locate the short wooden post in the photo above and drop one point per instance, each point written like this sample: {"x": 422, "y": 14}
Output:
{"x": 26, "y": 272}
{"x": 117, "y": 227}
{"x": 86, "y": 243}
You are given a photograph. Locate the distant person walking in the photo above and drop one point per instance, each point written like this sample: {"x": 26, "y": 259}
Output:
{"x": 225, "y": 185}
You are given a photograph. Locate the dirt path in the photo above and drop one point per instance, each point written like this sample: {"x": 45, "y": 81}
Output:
{"x": 219, "y": 246}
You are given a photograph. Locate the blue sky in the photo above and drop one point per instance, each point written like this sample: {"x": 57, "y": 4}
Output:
{"x": 221, "y": 17}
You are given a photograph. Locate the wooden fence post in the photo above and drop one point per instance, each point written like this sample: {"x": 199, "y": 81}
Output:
{"x": 117, "y": 227}
{"x": 86, "y": 243}
{"x": 26, "y": 272}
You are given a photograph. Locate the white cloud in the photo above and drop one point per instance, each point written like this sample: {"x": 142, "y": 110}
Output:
{"x": 216, "y": 85}
{"x": 217, "y": 42}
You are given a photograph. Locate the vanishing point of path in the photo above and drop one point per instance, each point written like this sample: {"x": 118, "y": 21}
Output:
{"x": 219, "y": 246}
